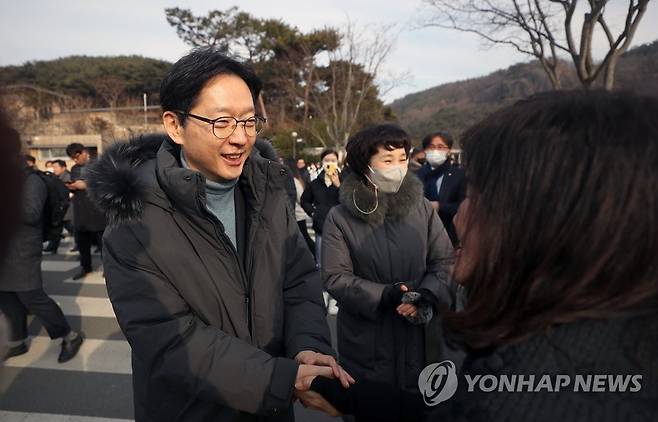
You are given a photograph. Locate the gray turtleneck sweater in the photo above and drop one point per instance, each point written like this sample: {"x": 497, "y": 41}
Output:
{"x": 220, "y": 201}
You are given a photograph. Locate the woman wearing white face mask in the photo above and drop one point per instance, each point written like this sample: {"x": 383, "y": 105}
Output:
{"x": 444, "y": 184}
{"x": 321, "y": 195}
{"x": 386, "y": 259}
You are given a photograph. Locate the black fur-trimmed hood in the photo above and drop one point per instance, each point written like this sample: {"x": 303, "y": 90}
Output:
{"x": 124, "y": 177}
{"x": 354, "y": 189}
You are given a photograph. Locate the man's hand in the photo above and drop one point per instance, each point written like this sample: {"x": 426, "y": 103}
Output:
{"x": 435, "y": 205}
{"x": 316, "y": 401}
{"x": 77, "y": 185}
{"x": 308, "y": 357}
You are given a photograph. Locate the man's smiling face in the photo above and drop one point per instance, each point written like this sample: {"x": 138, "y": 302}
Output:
{"x": 217, "y": 159}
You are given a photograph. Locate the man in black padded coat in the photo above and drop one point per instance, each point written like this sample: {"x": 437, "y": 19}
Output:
{"x": 209, "y": 277}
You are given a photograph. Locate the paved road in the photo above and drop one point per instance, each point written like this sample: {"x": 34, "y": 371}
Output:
{"x": 96, "y": 385}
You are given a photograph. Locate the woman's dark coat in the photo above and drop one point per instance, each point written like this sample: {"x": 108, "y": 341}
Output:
{"x": 318, "y": 199}
{"x": 402, "y": 241}
{"x": 212, "y": 329}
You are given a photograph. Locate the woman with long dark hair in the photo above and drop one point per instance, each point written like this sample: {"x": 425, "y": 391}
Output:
{"x": 559, "y": 238}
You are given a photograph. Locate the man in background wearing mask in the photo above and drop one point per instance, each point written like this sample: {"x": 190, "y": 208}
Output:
{"x": 444, "y": 184}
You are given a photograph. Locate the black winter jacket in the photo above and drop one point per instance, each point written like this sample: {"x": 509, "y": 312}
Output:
{"x": 212, "y": 329}
{"x": 318, "y": 199}
{"x": 21, "y": 270}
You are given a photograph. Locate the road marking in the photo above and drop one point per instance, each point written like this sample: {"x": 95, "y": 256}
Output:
{"x": 85, "y": 306}
{"x": 108, "y": 356}
{"x": 58, "y": 266}
{"x": 95, "y": 277}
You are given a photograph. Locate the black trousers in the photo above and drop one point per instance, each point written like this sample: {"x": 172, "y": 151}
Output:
{"x": 54, "y": 244}
{"x": 85, "y": 240}
{"x": 307, "y": 238}
{"x": 16, "y": 305}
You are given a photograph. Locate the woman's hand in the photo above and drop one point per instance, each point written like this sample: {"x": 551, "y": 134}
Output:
{"x": 407, "y": 310}
{"x": 335, "y": 180}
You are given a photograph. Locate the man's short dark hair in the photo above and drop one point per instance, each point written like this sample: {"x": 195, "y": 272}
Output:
{"x": 180, "y": 89}
{"x": 74, "y": 149}
{"x": 28, "y": 157}
{"x": 362, "y": 146}
{"x": 328, "y": 152}
{"x": 60, "y": 163}
{"x": 446, "y": 136}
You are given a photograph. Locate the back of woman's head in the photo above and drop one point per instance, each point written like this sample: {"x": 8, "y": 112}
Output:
{"x": 562, "y": 216}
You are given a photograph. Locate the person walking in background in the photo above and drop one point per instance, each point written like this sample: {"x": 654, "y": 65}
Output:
{"x": 444, "y": 184}
{"x": 21, "y": 284}
{"x": 30, "y": 161}
{"x": 300, "y": 215}
{"x": 59, "y": 170}
{"x": 318, "y": 198}
{"x": 386, "y": 259}
{"x": 12, "y": 174}
{"x": 88, "y": 220}
{"x": 322, "y": 195}
{"x": 303, "y": 171}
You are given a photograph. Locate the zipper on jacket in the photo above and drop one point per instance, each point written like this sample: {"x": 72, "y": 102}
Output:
{"x": 226, "y": 242}
{"x": 252, "y": 236}
{"x": 247, "y": 307}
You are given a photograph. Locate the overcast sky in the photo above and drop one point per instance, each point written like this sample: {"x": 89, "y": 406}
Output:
{"x": 43, "y": 30}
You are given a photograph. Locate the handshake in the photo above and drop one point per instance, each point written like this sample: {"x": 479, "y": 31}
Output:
{"x": 314, "y": 365}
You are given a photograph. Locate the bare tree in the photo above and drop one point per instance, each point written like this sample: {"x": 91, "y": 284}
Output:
{"x": 350, "y": 78}
{"x": 110, "y": 89}
{"x": 544, "y": 29}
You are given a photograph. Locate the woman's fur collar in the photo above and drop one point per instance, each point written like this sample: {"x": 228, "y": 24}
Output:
{"x": 391, "y": 205}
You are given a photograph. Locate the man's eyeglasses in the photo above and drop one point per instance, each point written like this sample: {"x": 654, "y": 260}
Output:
{"x": 223, "y": 127}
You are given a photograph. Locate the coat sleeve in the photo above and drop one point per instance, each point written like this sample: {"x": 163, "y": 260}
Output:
{"x": 177, "y": 346}
{"x": 355, "y": 294}
{"x": 440, "y": 260}
{"x": 35, "y": 195}
{"x": 307, "y": 200}
{"x": 305, "y": 314}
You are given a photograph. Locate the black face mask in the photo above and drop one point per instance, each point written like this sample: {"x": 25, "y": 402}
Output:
{"x": 421, "y": 161}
